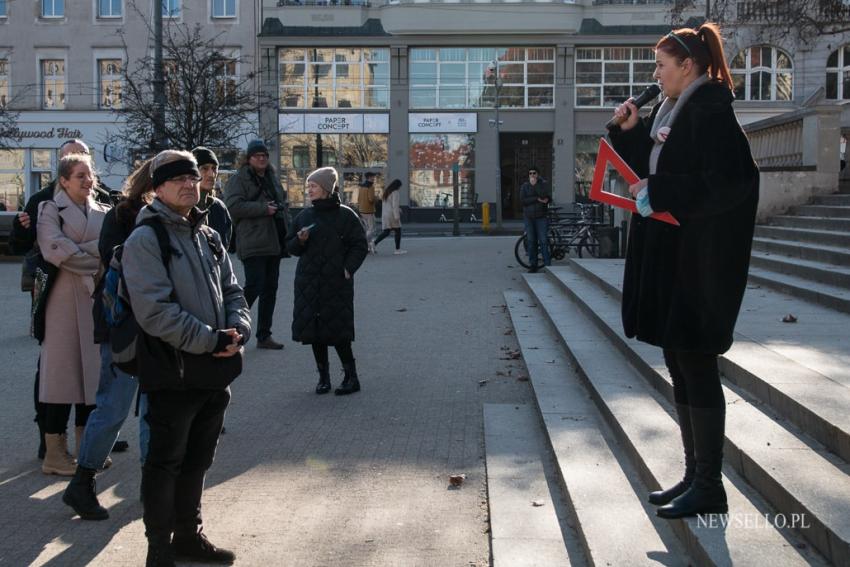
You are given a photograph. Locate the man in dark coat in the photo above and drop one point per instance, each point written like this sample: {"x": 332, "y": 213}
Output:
{"x": 535, "y": 196}
{"x": 331, "y": 245}
{"x": 218, "y": 217}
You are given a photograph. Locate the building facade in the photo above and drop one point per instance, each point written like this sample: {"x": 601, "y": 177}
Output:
{"x": 427, "y": 91}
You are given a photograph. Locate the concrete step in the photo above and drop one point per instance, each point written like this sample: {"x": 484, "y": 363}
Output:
{"x": 835, "y": 255}
{"x": 794, "y": 473}
{"x": 831, "y": 296}
{"x": 639, "y": 417}
{"x": 828, "y": 274}
{"x": 822, "y": 211}
{"x": 813, "y": 223}
{"x": 844, "y": 186}
{"x": 836, "y": 199}
{"x": 524, "y": 529}
{"x": 592, "y": 478}
{"x": 821, "y": 237}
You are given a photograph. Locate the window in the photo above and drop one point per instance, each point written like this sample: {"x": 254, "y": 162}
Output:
{"x": 470, "y": 78}
{"x": 170, "y": 8}
{"x": 4, "y": 82}
{"x": 4, "y": 8}
{"x": 606, "y": 76}
{"x": 224, "y": 8}
{"x": 109, "y": 83}
{"x": 226, "y": 81}
{"x": 431, "y": 159}
{"x": 334, "y": 78}
{"x": 11, "y": 180}
{"x": 52, "y": 8}
{"x": 53, "y": 84}
{"x": 109, "y": 9}
{"x": 837, "y": 74}
{"x": 762, "y": 73}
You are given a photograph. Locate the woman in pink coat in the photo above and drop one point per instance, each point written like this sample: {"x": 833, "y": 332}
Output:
{"x": 68, "y": 230}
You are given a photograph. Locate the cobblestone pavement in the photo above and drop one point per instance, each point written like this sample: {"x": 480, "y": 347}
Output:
{"x": 302, "y": 480}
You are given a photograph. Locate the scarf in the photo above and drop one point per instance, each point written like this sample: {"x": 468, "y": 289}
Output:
{"x": 666, "y": 115}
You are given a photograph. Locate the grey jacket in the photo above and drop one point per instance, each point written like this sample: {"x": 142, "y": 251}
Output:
{"x": 255, "y": 230}
{"x": 198, "y": 296}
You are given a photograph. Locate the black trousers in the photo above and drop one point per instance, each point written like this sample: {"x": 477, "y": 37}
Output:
{"x": 696, "y": 379}
{"x": 56, "y": 416}
{"x": 386, "y": 232}
{"x": 261, "y": 277}
{"x": 343, "y": 351}
{"x": 184, "y": 430}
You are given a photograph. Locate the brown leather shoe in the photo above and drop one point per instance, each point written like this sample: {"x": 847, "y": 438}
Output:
{"x": 269, "y": 343}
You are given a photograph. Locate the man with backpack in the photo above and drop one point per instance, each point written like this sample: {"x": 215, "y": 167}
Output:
{"x": 193, "y": 320}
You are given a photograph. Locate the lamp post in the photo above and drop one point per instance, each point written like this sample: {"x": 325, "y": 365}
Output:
{"x": 497, "y": 83}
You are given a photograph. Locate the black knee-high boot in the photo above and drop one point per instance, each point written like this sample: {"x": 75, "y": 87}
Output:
{"x": 661, "y": 497}
{"x": 706, "y": 494}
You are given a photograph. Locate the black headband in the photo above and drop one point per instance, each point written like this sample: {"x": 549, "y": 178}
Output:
{"x": 682, "y": 42}
{"x": 172, "y": 169}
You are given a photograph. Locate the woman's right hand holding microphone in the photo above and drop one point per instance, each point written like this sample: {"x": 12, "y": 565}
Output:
{"x": 628, "y": 112}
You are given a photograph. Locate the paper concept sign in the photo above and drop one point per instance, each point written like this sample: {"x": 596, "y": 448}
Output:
{"x": 608, "y": 155}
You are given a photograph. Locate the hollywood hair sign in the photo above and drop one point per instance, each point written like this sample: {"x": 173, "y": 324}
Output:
{"x": 53, "y": 133}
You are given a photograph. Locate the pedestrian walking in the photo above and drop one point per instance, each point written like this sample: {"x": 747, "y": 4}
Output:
{"x": 683, "y": 285}
{"x": 218, "y": 217}
{"x": 366, "y": 206}
{"x": 68, "y": 229}
{"x": 535, "y": 195}
{"x": 330, "y": 244}
{"x": 116, "y": 390}
{"x": 260, "y": 209}
{"x": 194, "y": 320}
{"x": 390, "y": 217}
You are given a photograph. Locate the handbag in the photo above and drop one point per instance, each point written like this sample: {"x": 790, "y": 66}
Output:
{"x": 28, "y": 266}
{"x": 43, "y": 281}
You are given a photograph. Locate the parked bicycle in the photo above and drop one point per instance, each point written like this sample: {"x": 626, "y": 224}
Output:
{"x": 575, "y": 230}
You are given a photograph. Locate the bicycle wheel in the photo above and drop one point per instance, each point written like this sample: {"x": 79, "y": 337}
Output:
{"x": 521, "y": 252}
{"x": 590, "y": 244}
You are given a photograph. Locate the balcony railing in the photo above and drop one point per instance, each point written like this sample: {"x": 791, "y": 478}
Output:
{"x": 365, "y": 3}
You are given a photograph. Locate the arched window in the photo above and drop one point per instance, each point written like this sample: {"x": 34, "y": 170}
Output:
{"x": 838, "y": 74}
{"x": 762, "y": 72}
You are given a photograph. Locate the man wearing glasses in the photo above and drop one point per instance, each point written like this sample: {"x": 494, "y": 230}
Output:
{"x": 535, "y": 196}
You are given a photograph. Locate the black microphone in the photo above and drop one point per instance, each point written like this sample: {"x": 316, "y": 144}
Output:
{"x": 650, "y": 93}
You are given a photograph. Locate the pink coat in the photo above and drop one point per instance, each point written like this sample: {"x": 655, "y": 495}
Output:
{"x": 70, "y": 359}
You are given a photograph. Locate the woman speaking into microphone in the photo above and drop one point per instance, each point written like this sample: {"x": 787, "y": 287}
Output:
{"x": 683, "y": 285}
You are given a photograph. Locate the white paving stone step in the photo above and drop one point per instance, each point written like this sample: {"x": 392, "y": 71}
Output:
{"x": 524, "y": 528}
{"x": 595, "y": 484}
{"x": 817, "y": 272}
{"x": 797, "y": 476}
{"x": 836, "y": 255}
{"x": 832, "y": 296}
{"x": 813, "y": 222}
{"x": 650, "y": 436}
{"x": 827, "y": 237}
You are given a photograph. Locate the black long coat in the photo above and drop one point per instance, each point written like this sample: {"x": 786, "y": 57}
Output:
{"x": 683, "y": 286}
{"x": 324, "y": 298}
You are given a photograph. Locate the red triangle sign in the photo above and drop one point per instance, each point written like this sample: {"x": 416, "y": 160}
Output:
{"x": 608, "y": 155}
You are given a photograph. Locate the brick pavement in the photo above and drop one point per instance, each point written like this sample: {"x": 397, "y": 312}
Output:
{"x": 301, "y": 480}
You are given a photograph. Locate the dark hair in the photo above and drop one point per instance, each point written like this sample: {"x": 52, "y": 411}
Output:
{"x": 138, "y": 192}
{"x": 704, "y": 45}
{"x": 394, "y": 185}
{"x": 77, "y": 141}
{"x": 533, "y": 168}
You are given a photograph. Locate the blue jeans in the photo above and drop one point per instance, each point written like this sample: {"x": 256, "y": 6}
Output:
{"x": 116, "y": 393}
{"x": 537, "y": 233}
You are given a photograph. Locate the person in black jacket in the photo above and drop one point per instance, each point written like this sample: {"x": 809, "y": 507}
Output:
{"x": 683, "y": 285}
{"x": 218, "y": 217}
{"x": 117, "y": 389}
{"x": 535, "y": 196}
{"x": 330, "y": 243}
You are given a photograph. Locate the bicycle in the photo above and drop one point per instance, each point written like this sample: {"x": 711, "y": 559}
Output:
{"x": 566, "y": 231}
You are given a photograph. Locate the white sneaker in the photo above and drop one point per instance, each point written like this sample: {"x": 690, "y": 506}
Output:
{"x": 400, "y": 252}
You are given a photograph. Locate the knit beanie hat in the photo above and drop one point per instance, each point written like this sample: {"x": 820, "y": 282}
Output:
{"x": 256, "y": 147}
{"x": 324, "y": 177}
{"x": 205, "y": 156}
{"x": 171, "y": 163}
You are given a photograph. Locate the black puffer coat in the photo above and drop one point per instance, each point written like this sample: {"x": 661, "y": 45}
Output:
{"x": 683, "y": 286}
{"x": 324, "y": 298}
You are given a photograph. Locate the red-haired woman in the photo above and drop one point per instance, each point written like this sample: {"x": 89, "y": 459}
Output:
{"x": 683, "y": 285}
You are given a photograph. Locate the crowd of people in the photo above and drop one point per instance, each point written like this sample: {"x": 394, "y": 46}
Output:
{"x": 165, "y": 237}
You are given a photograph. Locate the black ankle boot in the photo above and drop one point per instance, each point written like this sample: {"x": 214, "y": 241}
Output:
{"x": 160, "y": 554}
{"x": 196, "y": 547}
{"x": 350, "y": 383}
{"x": 706, "y": 494}
{"x": 81, "y": 495}
{"x": 324, "y": 385}
{"x": 661, "y": 497}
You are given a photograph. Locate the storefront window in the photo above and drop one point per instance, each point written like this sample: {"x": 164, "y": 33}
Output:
{"x": 466, "y": 78}
{"x": 334, "y": 78}
{"x": 350, "y": 154}
{"x": 12, "y": 180}
{"x": 432, "y": 157}
{"x": 606, "y": 76}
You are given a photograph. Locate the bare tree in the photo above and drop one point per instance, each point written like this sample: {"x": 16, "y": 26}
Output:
{"x": 8, "y": 117}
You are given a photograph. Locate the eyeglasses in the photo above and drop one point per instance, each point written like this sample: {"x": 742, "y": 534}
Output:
{"x": 534, "y": 173}
{"x": 260, "y": 155}
{"x": 182, "y": 179}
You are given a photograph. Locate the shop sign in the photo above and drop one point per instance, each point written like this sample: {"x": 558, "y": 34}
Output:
{"x": 20, "y": 134}
{"x": 420, "y": 122}
{"x": 334, "y": 123}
